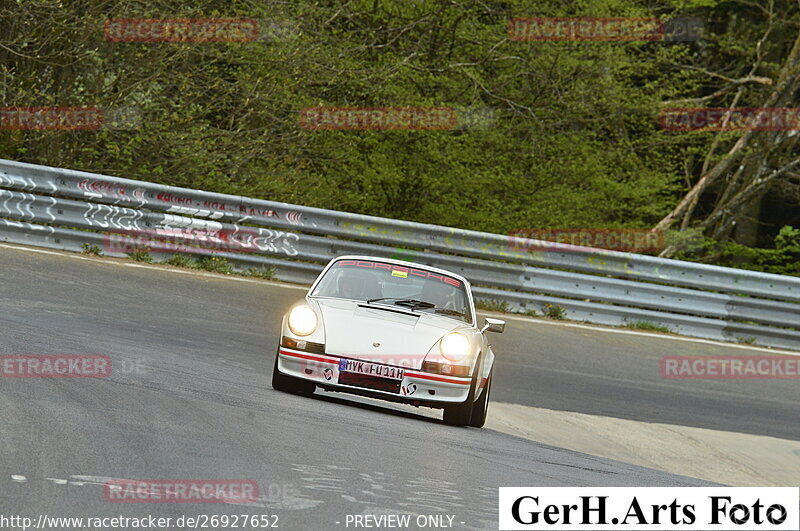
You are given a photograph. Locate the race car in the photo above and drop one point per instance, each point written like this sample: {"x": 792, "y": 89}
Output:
{"x": 393, "y": 330}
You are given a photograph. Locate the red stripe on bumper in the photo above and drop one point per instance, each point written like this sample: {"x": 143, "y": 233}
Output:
{"x": 436, "y": 378}
{"x": 309, "y": 357}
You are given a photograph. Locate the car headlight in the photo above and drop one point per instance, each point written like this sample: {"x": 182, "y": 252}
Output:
{"x": 454, "y": 346}
{"x": 303, "y": 321}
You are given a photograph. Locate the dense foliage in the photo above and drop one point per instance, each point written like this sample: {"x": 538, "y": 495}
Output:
{"x": 574, "y": 138}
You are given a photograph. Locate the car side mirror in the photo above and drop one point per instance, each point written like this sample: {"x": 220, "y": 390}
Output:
{"x": 494, "y": 325}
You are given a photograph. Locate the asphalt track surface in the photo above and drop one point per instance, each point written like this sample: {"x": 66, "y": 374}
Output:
{"x": 189, "y": 398}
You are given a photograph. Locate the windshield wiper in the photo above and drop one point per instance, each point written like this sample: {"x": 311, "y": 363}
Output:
{"x": 415, "y": 303}
{"x": 399, "y": 301}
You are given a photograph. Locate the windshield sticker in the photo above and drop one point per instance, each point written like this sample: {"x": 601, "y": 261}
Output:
{"x": 399, "y": 271}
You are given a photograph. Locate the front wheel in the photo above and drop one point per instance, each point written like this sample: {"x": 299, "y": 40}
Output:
{"x": 290, "y": 384}
{"x": 460, "y": 414}
{"x": 481, "y": 407}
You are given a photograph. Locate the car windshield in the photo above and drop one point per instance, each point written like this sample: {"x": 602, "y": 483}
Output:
{"x": 384, "y": 283}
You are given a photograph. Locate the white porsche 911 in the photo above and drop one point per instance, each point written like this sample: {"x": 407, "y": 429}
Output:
{"x": 392, "y": 330}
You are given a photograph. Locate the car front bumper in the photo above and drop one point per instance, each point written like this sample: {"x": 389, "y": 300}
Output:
{"x": 415, "y": 387}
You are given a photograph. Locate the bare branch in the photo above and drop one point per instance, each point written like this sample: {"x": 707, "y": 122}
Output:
{"x": 741, "y": 199}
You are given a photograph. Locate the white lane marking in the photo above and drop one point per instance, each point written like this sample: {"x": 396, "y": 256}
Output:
{"x": 638, "y": 333}
{"x": 74, "y": 256}
{"x": 93, "y": 480}
{"x": 77, "y": 481}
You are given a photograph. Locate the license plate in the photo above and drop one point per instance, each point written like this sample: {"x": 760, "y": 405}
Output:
{"x": 372, "y": 369}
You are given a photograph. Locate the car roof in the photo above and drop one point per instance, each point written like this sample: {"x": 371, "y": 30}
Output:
{"x": 403, "y": 263}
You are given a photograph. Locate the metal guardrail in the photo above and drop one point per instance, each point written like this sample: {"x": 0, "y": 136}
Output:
{"x": 64, "y": 209}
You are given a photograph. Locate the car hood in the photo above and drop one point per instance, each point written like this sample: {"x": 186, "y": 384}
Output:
{"x": 353, "y": 331}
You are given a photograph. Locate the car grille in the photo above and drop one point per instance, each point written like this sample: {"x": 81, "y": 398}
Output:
{"x": 316, "y": 348}
{"x": 369, "y": 382}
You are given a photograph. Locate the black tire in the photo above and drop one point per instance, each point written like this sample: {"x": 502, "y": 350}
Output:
{"x": 481, "y": 407}
{"x": 460, "y": 414}
{"x": 290, "y": 384}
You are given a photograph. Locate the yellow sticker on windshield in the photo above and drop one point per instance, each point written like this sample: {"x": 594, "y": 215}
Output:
{"x": 401, "y": 274}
